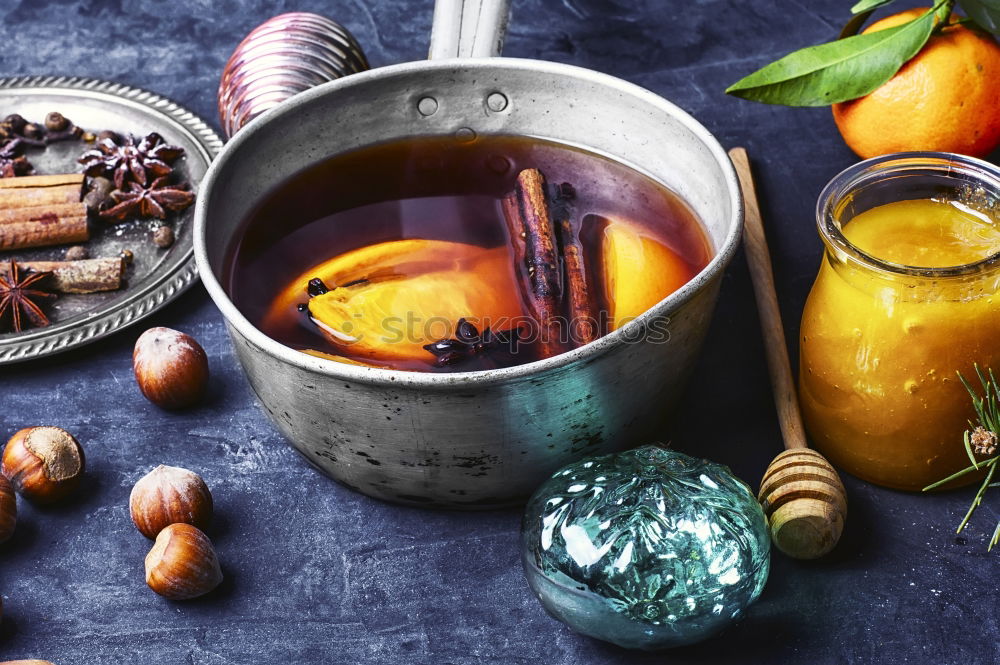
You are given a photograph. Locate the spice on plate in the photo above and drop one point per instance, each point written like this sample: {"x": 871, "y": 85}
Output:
{"x": 77, "y": 276}
{"x": 20, "y": 295}
{"x": 13, "y": 163}
{"x": 97, "y": 194}
{"x": 128, "y": 160}
{"x": 77, "y": 253}
{"x": 38, "y": 211}
{"x": 41, "y": 227}
{"x": 163, "y": 236}
{"x": 153, "y": 200}
{"x": 40, "y": 190}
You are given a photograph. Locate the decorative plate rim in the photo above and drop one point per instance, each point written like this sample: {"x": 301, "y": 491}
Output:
{"x": 168, "y": 286}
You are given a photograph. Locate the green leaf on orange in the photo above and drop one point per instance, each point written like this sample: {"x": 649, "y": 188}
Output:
{"x": 853, "y": 26}
{"x": 837, "y": 71}
{"x": 869, "y": 5}
{"x": 986, "y": 13}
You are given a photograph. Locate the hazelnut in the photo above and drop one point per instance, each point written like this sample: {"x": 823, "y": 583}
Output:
{"x": 169, "y": 495}
{"x": 170, "y": 367}
{"x": 163, "y": 236}
{"x": 44, "y": 464}
{"x": 8, "y": 509}
{"x": 182, "y": 563}
{"x": 77, "y": 253}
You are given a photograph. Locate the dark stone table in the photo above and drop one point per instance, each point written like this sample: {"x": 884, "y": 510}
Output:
{"x": 318, "y": 574}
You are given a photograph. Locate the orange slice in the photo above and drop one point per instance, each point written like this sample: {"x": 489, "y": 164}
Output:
{"x": 415, "y": 292}
{"x": 639, "y": 272}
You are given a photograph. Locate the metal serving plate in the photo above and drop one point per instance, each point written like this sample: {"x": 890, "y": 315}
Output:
{"x": 156, "y": 276}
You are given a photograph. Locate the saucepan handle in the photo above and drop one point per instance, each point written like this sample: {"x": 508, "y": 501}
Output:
{"x": 469, "y": 28}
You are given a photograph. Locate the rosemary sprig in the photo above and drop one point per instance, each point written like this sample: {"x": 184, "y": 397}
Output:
{"x": 981, "y": 440}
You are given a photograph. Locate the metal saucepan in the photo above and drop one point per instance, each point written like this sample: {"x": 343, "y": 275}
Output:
{"x": 475, "y": 439}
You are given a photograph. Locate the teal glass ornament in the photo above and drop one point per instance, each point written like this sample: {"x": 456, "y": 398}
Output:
{"x": 647, "y": 548}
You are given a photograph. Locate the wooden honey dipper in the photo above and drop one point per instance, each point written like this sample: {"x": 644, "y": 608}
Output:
{"x": 801, "y": 493}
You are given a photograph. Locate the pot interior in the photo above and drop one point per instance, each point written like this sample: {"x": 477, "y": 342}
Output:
{"x": 464, "y": 99}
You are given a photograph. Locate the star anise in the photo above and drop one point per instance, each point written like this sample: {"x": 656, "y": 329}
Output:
{"x": 153, "y": 200}
{"x": 468, "y": 343}
{"x": 19, "y": 297}
{"x": 12, "y": 161}
{"x": 130, "y": 161}
{"x": 11, "y": 167}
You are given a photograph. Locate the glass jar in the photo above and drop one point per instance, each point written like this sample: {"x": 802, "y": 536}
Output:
{"x": 881, "y": 344}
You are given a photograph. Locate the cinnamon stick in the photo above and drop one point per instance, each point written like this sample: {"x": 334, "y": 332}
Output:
{"x": 40, "y": 190}
{"x": 582, "y": 316}
{"x": 47, "y": 230}
{"x": 85, "y": 276}
{"x": 35, "y": 181}
{"x": 35, "y": 213}
{"x": 526, "y": 213}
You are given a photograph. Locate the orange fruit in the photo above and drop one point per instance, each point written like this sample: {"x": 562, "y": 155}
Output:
{"x": 946, "y": 98}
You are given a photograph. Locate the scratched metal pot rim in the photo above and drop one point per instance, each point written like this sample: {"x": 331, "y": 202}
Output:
{"x": 459, "y": 380}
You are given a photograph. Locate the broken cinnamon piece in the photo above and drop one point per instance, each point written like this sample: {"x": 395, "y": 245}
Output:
{"x": 81, "y": 276}
{"x": 580, "y": 305}
{"x": 39, "y": 190}
{"x": 44, "y": 231}
{"x": 526, "y": 213}
{"x": 35, "y": 213}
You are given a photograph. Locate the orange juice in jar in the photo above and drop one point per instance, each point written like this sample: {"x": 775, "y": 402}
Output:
{"x": 906, "y": 297}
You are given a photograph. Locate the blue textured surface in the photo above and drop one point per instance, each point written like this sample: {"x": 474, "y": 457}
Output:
{"x": 318, "y": 574}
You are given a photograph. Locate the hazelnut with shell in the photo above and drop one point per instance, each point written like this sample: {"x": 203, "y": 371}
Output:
{"x": 169, "y": 495}
{"x": 182, "y": 563}
{"x": 44, "y": 464}
{"x": 170, "y": 367}
{"x": 8, "y": 509}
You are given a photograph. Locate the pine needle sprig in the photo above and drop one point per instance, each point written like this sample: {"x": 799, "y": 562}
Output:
{"x": 980, "y": 443}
